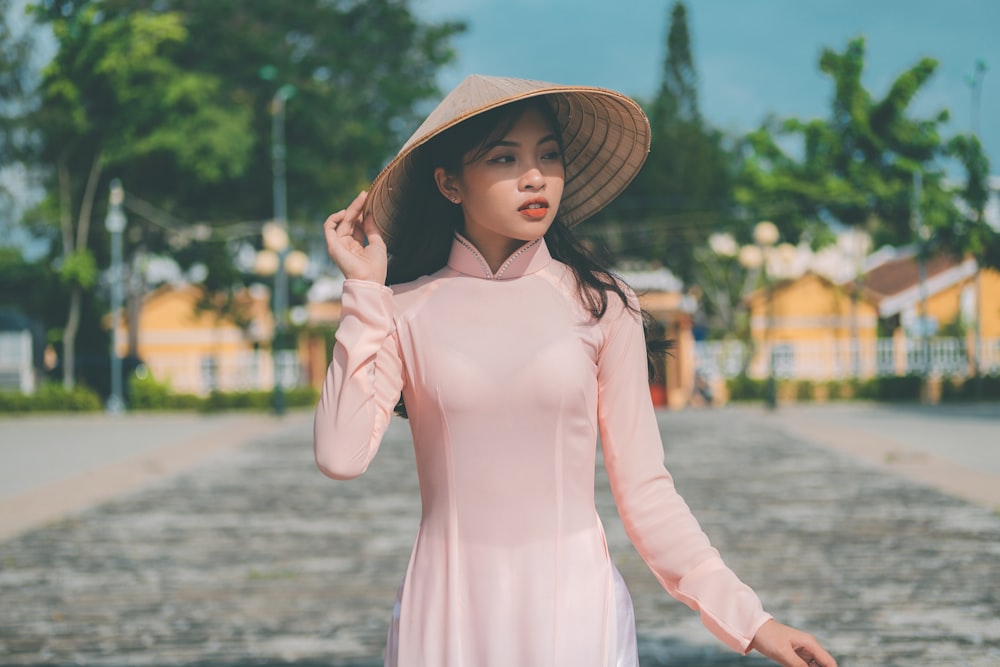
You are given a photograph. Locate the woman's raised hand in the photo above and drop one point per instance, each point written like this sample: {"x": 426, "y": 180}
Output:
{"x": 355, "y": 244}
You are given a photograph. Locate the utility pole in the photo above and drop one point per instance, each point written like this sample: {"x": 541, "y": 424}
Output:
{"x": 923, "y": 319}
{"x": 115, "y": 224}
{"x": 278, "y": 181}
{"x": 975, "y": 81}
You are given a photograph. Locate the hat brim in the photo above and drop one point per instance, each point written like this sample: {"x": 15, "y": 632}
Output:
{"x": 605, "y": 137}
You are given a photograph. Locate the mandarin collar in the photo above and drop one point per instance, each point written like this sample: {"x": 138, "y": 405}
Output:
{"x": 467, "y": 260}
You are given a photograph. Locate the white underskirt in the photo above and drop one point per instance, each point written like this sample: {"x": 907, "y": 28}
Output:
{"x": 627, "y": 652}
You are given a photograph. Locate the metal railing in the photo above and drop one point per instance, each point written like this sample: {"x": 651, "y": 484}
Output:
{"x": 231, "y": 371}
{"x": 17, "y": 372}
{"x": 843, "y": 359}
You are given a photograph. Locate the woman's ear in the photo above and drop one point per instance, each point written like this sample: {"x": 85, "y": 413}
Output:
{"x": 447, "y": 185}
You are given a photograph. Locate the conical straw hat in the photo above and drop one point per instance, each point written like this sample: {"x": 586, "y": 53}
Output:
{"x": 605, "y": 137}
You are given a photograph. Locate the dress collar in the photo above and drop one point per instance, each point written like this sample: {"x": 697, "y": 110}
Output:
{"x": 467, "y": 260}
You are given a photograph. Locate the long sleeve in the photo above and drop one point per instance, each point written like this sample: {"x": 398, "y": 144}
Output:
{"x": 362, "y": 384}
{"x": 656, "y": 519}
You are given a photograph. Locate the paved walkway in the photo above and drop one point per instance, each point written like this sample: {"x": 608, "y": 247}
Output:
{"x": 57, "y": 464}
{"x": 251, "y": 557}
{"x": 953, "y": 448}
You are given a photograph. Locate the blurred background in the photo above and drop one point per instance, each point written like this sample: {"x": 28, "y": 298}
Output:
{"x": 818, "y": 218}
{"x": 817, "y": 228}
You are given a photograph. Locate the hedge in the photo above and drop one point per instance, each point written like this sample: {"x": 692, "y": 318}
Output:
{"x": 147, "y": 394}
{"x": 51, "y": 397}
{"x": 889, "y": 389}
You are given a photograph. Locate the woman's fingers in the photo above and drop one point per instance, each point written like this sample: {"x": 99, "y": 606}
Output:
{"x": 352, "y": 216}
{"x": 790, "y": 647}
{"x": 371, "y": 230}
{"x": 816, "y": 656}
{"x": 354, "y": 243}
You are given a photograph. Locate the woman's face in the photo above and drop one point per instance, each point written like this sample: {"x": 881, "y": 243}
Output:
{"x": 511, "y": 192}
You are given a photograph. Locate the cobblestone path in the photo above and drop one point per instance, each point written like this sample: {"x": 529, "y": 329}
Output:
{"x": 256, "y": 559}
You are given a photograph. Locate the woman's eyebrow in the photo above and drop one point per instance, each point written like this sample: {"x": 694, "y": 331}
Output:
{"x": 505, "y": 142}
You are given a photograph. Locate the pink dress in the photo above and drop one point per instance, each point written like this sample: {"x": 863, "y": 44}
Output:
{"x": 508, "y": 383}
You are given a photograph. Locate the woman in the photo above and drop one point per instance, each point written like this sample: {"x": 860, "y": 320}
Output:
{"x": 513, "y": 351}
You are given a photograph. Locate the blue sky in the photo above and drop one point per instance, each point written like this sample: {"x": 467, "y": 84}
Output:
{"x": 753, "y": 57}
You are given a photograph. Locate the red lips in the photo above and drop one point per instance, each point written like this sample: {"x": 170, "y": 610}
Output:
{"x": 535, "y": 208}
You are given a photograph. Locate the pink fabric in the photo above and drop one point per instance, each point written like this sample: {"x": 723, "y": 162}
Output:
{"x": 626, "y": 652}
{"x": 508, "y": 382}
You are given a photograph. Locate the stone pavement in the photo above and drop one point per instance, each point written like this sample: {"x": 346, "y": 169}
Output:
{"x": 55, "y": 464}
{"x": 253, "y": 558}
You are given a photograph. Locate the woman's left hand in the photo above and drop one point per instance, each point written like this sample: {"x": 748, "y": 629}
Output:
{"x": 790, "y": 647}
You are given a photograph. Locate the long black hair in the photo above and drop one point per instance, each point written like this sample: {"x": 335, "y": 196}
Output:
{"x": 423, "y": 232}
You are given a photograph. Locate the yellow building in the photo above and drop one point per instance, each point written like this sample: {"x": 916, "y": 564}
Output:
{"x": 200, "y": 351}
{"x": 809, "y": 324}
{"x": 955, "y": 291}
{"x": 812, "y": 328}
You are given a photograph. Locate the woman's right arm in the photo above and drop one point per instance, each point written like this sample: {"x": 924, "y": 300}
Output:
{"x": 365, "y": 377}
{"x": 362, "y": 384}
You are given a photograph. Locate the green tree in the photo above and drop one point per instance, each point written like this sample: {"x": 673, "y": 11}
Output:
{"x": 113, "y": 100}
{"x": 16, "y": 47}
{"x": 856, "y": 167}
{"x": 169, "y": 96}
{"x": 15, "y": 72}
{"x": 684, "y": 188}
{"x": 870, "y": 165}
{"x": 970, "y": 233}
{"x": 358, "y": 72}
{"x": 361, "y": 71}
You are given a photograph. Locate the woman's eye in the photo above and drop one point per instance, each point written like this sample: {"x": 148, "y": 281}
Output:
{"x": 552, "y": 155}
{"x": 501, "y": 159}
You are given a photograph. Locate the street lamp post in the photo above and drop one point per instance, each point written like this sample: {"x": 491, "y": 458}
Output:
{"x": 755, "y": 257}
{"x": 975, "y": 81}
{"x": 281, "y": 96}
{"x": 115, "y": 224}
{"x": 765, "y": 236}
{"x": 924, "y": 321}
{"x": 278, "y": 259}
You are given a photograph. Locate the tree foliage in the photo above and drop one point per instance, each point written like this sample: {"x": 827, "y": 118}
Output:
{"x": 114, "y": 100}
{"x": 168, "y": 96}
{"x": 16, "y": 85}
{"x": 15, "y": 76}
{"x": 683, "y": 191}
{"x": 360, "y": 71}
{"x": 858, "y": 167}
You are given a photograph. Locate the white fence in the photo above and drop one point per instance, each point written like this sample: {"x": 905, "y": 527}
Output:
{"x": 17, "y": 372}
{"x": 233, "y": 371}
{"x": 842, "y": 359}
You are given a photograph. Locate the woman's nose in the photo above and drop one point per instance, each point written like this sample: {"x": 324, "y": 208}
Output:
{"x": 532, "y": 179}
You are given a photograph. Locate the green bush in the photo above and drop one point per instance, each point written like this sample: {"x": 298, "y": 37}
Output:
{"x": 51, "y": 397}
{"x": 745, "y": 388}
{"x": 952, "y": 389}
{"x": 965, "y": 389}
{"x": 218, "y": 401}
{"x": 148, "y": 393}
{"x": 898, "y": 388}
{"x": 259, "y": 400}
{"x": 863, "y": 389}
{"x": 301, "y": 397}
{"x": 991, "y": 386}
{"x": 804, "y": 390}
{"x": 837, "y": 390}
